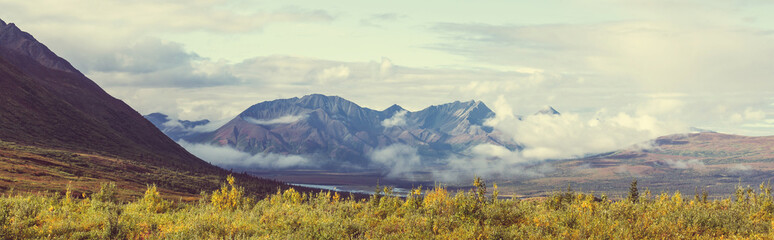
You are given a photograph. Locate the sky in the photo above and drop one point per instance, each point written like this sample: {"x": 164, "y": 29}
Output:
{"x": 619, "y": 71}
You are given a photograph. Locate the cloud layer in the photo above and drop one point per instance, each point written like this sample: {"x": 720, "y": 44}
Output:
{"x": 623, "y": 75}
{"x": 399, "y": 161}
{"x": 227, "y": 157}
{"x": 280, "y": 120}
{"x": 397, "y": 120}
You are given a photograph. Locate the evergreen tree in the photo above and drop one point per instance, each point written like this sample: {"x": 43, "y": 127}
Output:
{"x": 634, "y": 194}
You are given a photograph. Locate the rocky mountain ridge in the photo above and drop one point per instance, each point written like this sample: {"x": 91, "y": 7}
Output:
{"x": 339, "y": 131}
{"x": 175, "y": 129}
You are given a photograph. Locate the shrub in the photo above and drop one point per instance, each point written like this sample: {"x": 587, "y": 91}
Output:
{"x": 107, "y": 193}
{"x": 152, "y": 201}
{"x": 433, "y": 214}
{"x": 230, "y": 196}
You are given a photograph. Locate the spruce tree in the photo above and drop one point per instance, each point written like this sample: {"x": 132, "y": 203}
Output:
{"x": 634, "y": 194}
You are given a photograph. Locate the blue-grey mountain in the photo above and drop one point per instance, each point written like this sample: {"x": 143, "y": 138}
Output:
{"x": 339, "y": 133}
{"x": 175, "y": 129}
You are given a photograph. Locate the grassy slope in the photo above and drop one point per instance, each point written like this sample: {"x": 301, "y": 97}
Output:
{"x": 34, "y": 169}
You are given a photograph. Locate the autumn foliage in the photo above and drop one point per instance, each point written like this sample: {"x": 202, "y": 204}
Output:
{"x": 435, "y": 213}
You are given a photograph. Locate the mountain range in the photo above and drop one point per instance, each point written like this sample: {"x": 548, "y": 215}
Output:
{"x": 337, "y": 131}
{"x": 58, "y": 126}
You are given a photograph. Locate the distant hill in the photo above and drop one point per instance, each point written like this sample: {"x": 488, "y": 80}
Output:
{"x": 48, "y": 105}
{"x": 715, "y": 161}
{"x": 338, "y": 131}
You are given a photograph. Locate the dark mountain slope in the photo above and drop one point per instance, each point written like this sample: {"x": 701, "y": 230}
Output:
{"x": 47, "y": 102}
{"x": 52, "y": 116}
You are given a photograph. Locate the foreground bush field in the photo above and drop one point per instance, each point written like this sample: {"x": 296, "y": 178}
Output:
{"x": 431, "y": 214}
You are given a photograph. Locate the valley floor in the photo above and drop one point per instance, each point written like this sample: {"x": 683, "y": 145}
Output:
{"x": 424, "y": 214}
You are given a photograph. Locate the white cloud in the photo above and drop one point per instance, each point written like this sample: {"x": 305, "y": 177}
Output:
{"x": 653, "y": 55}
{"x": 503, "y": 112}
{"x": 685, "y": 164}
{"x": 269, "y": 78}
{"x": 661, "y": 106}
{"x": 175, "y": 16}
{"x": 749, "y": 114}
{"x": 492, "y": 162}
{"x": 172, "y": 123}
{"x": 279, "y": 120}
{"x": 754, "y": 115}
{"x": 108, "y": 43}
{"x": 493, "y": 151}
{"x": 228, "y": 157}
{"x": 740, "y": 168}
{"x": 332, "y": 74}
{"x": 708, "y": 53}
{"x": 378, "y": 20}
{"x": 570, "y": 135}
{"x": 397, "y": 120}
{"x": 385, "y": 68}
{"x": 155, "y": 63}
{"x": 209, "y": 127}
{"x": 400, "y": 161}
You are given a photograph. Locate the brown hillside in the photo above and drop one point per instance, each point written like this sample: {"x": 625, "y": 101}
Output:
{"x": 60, "y": 124}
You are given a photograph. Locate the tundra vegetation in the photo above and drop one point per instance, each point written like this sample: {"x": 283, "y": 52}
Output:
{"x": 228, "y": 213}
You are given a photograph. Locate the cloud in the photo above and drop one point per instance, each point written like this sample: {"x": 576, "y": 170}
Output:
{"x": 570, "y": 135}
{"x": 503, "y": 111}
{"x": 749, "y": 114}
{"x": 685, "y": 164}
{"x": 489, "y": 161}
{"x": 397, "y": 120}
{"x": 227, "y": 157}
{"x": 332, "y": 74}
{"x": 710, "y": 55}
{"x": 147, "y": 55}
{"x": 273, "y": 77}
{"x": 155, "y": 63}
{"x": 661, "y": 106}
{"x": 209, "y": 127}
{"x": 111, "y": 45}
{"x": 279, "y": 120}
{"x": 740, "y": 168}
{"x": 385, "y": 68}
{"x": 173, "y": 123}
{"x": 382, "y": 83}
{"x": 313, "y": 72}
{"x": 654, "y": 55}
{"x": 400, "y": 161}
{"x": 378, "y": 20}
{"x": 485, "y": 160}
{"x": 167, "y": 16}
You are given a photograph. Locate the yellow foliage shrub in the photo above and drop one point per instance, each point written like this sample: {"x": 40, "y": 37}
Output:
{"x": 229, "y": 197}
